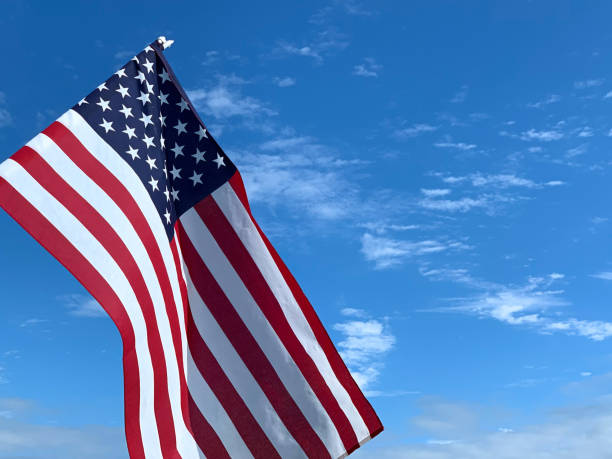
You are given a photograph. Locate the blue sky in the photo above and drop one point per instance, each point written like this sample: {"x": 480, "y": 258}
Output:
{"x": 436, "y": 175}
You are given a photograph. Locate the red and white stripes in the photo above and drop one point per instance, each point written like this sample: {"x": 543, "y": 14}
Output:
{"x": 223, "y": 354}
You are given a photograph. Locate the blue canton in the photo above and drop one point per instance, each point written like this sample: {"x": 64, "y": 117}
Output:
{"x": 145, "y": 116}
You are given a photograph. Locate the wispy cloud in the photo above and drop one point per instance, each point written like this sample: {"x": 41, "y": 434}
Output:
{"x": 544, "y": 136}
{"x": 224, "y": 100}
{"x": 82, "y": 306}
{"x": 584, "y": 84}
{"x": 460, "y": 95}
{"x": 369, "y": 68}
{"x": 363, "y": 345}
{"x": 501, "y": 181}
{"x": 414, "y": 130}
{"x": 452, "y": 430}
{"x": 534, "y": 305}
{"x": 284, "y": 82}
{"x": 553, "y": 98}
{"x": 5, "y": 117}
{"x": 32, "y": 322}
{"x": 386, "y": 252}
{"x": 455, "y": 145}
{"x": 325, "y": 43}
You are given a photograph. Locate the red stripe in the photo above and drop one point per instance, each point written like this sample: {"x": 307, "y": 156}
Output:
{"x": 112, "y": 243}
{"x": 248, "y": 428}
{"x": 207, "y": 438}
{"x": 124, "y": 200}
{"x": 244, "y": 265}
{"x": 248, "y": 349}
{"x": 339, "y": 367}
{"x": 58, "y": 246}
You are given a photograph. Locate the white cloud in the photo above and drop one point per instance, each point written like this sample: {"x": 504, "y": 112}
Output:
{"x": 457, "y": 205}
{"x": 568, "y": 432}
{"x": 353, "y": 312}
{"x": 576, "y": 151}
{"x": 605, "y": 275}
{"x": 5, "y": 117}
{"x": 533, "y": 304}
{"x": 460, "y": 96}
{"x": 414, "y": 130}
{"x": 325, "y": 43}
{"x": 32, "y": 322}
{"x": 549, "y": 100}
{"x": 501, "y": 181}
{"x": 544, "y": 136}
{"x": 435, "y": 193}
{"x": 20, "y": 436}
{"x": 369, "y": 68}
{"x": 588, "y": 83}
{"x": 386, "y": 252}
{"x": 586, "y": 131}
{"x": 224, "y": 100}
{"x": 456, "y": 145}
{"x": 364, "y": 344}
{"x": 82, "y": 306}
{"x": 284, "y": 82}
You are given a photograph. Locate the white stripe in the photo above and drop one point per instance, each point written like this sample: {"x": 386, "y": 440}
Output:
{"x": 240, "y": 220}
{"x": 239, "y": 375}
{"x": 214, "y": 413}
{"x": 108, "y": 209}
{"x": 233, "y": 288}
{"x": 102, "y": 262}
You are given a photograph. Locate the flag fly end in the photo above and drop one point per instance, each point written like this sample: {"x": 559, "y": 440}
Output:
{"x": 165, "y": 43}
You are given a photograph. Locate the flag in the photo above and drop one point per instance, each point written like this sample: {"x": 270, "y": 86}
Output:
{"x": 223, "y": 354}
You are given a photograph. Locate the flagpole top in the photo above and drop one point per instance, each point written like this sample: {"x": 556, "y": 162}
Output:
{"x": 165, "y": 44}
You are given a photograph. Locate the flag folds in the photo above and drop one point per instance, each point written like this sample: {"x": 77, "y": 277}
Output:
{"x": 223, "y": 354}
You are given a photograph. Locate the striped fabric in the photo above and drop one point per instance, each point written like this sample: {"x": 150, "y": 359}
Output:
{"x": 223, "y": 354}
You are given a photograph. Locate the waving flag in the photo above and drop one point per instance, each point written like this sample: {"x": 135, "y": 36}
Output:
{"x": 223, "y": 354}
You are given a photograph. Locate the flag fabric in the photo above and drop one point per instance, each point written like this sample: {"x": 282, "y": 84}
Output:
{"x": 223, "y": 354}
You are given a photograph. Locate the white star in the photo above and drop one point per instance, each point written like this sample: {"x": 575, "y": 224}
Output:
{"x": 164, "y": 76}
{"x": 167, "y": 193}
{"x": 148, "y": 49}
{"x": 104, "y": 104}
{"x": 149, "y": 87}
{"x": 144, "y": 97}
{"x": 127, "y": 111}
{"x": 141, "y": 76}
{"x": 135, "y": 59}
{"x": 162, "y": 119}
{"x": 175, "y": 194}
{"x": 183, "y": 105}
{"x": 120, "y": 73}
{"x": 163, "y": 97}
{"x": 146, "y": 120}
{"x": 129, "y": 131}
{"x": 151, "y": 162}
{"x": 196, "y": 178}
{"x": 202, "y": 133}
{"x": 148, "y": 65}
{"x": 165, "y": 168}
{"x": 83, "y": 101}
{"x": 133, "y": 152}
{"x": 162, "y": 141}
{"x": 123, "y": 91}
{"x": 198, "y": 156}
{"x": 178, "y": 150}
{"x": 180, "y": 127}
{"x": 219, "y": 160}
{"x": 176, "y": 173}
{"x": 107, "y": 125}
{"x": 153, "y": 184}
{"x": 167, "y": 214}
{"x": 148, "y": 141}
{"x": 102, "y": 87}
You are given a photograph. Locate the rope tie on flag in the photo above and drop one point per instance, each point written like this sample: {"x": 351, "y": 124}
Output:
{"x": 165, "y": 43}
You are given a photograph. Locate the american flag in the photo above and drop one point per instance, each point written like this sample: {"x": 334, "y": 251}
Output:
{"x": 223, "y": 354}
